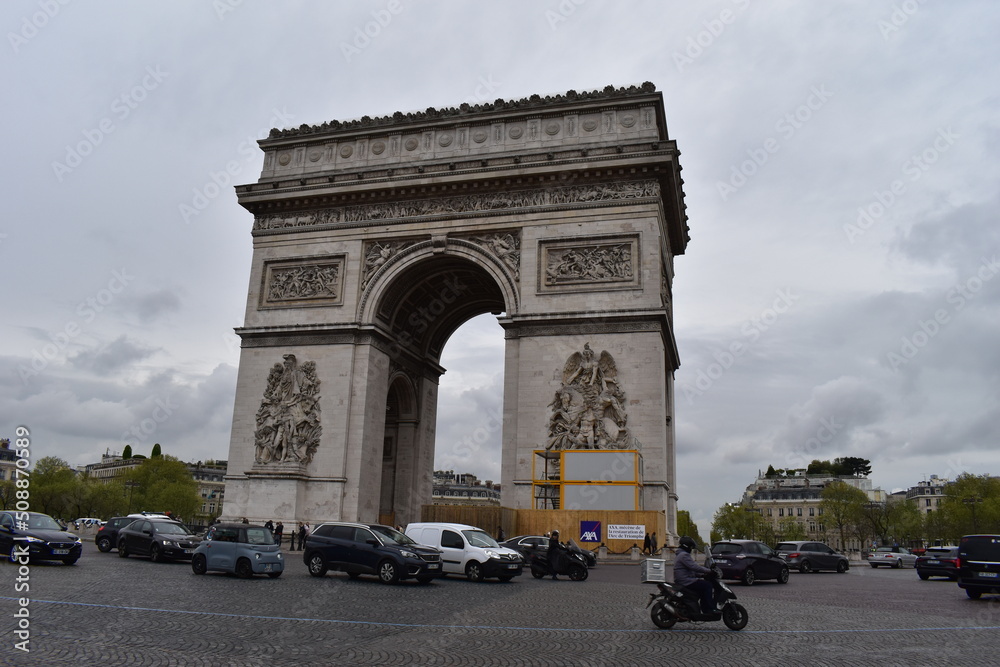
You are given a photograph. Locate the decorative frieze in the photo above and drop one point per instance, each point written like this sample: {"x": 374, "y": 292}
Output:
{"x": 506, "y": 246}
{"x": 576, "y": 194}
{"x": 377, "y": 254}
{"x": 299, "y": 283}
{"x": 601, "y": 263}
{"x": 288, "y": 420}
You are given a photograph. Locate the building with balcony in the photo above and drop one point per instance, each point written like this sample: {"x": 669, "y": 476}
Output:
{"x": 463, "y": 489}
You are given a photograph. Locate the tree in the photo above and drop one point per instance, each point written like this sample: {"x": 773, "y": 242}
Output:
{"x": 739, "y": 520}
{"x": 156, "y": 451}
{"x": 127, "y": 452}
{"x": 685, "y": 526}
{"x": 770, "y": 472}
{"x": 52, "y": 482}
{"x": 972, "y": 505}
{"x": 842, "y": 505}
{"x": 163, "y": 484}
{"x": 789, "y": 528}
{"x": 853, "y": 465}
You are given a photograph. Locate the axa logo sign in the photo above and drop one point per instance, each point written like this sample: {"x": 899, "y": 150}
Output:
{"x": 590, "y": 531}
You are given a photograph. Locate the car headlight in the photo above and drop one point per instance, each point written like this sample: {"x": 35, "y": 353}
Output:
{"x": 169, "y": 543}
{"x": 29, "y": 538}
{"x": 408, "y": 554}
{"x": 278, "y": 555}
{"x": 491, "y": 554}
{"x": 257, "y": 555}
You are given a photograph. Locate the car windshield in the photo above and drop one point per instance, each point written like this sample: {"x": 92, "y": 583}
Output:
{"x": 478, "y": 538}
{"x": 42, "y": 522}
{"x": 391, "y": 535}
{"x": 170, "y": 528}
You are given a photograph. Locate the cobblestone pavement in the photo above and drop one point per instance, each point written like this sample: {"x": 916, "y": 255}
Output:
{"x": 110, "y": 611}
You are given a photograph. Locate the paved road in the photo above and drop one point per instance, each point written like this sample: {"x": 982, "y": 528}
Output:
{"x": 110, "y": 611}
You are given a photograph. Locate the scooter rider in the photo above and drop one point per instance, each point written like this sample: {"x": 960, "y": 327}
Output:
{"x": 689, "y": 574}
{"x": 553, "y": 552}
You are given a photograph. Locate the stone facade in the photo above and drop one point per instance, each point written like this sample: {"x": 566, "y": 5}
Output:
{"x": 374, "y": 240}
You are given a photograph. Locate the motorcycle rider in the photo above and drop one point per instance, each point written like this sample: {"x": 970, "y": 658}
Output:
{"x": 690, "y": 575}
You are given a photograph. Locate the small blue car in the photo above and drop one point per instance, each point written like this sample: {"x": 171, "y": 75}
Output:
{"x": 241, "y": 548}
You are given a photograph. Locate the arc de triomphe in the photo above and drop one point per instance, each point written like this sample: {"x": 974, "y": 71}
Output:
{"x": 375, "y": 239}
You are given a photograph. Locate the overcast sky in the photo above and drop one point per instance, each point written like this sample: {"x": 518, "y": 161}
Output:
{"x": 839, "y": 296}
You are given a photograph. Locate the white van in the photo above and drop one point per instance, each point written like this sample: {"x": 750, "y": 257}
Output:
{"x": 468, "y": 550}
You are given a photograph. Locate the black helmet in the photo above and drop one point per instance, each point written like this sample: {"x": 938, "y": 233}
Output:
{"x": 688, "y": 543}
{"x": 555, "y": 533}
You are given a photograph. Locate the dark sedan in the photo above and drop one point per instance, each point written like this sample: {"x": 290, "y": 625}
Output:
{"x": 938, "y": 562}
{"x": 34, "y": 536}
{"x": 529, "y": 545}
{"x": 749, "y": 561}
{"x": 158, "y": 539}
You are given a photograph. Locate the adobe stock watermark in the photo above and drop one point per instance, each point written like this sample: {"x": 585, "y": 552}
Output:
{"x": 696, "y": 45}
{"x": 120, "y": 109}
{"x": 484, "y": 90}
{"x": 957, "y": 298}
{"x": 914, "y": 169}
{"x": 203, "y": 196}
{"x": 786, "y": 127}
{"x": 898, "y": 17}
{"x": 87, "y": 310}
{"x": 31, "y": 25}
{"x": 371, "y": 30}
{"x": 806, "y": 452}
{"x": 562, "y": 12}
{"x": 472, "y": 444}
{"x": 20, "y": 551}
{"x": 224, "y": 7}
{"x": 144, "y": 428}
{"x": 751, "y": 331}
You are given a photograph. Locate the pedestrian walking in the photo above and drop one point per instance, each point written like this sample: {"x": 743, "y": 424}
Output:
{"x": 303, "y": 530}
{"x": 652, "y": 543}
{"x": 645, "y": 544}
{"x": 278, "y": 530}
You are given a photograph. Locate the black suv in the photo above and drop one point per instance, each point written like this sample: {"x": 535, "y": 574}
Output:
{"x": 979, "y": 565}
{"x": 157, "y": 538}
{"x": 37, "y": 537}
{"x": 368, "y": 548}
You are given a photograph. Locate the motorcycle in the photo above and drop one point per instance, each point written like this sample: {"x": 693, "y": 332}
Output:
{"x": 569, "y": 561}
{"x": 673, "y": 603}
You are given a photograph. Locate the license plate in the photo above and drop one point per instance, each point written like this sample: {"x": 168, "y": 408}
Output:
{"x": 268, "y": 567}
{"x": 933, "y": 562}
{"x": 988, "y": 574}
{"x": 722, "y": 562}
{"x": 60, "y": 552}
{"x": 189, "y": 551}
{"x": 512, "y": 567}
{"x": 433, "y": 566}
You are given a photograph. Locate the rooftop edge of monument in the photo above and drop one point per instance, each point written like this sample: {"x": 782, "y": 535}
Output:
{"x": 464, "y": 110}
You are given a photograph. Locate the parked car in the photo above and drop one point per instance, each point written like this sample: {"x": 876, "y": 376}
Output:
{"x": 86, "y": 522}
{"x": 157, "y": 538}
{"x": 528, "y": 545}
{"x": 892, "y": 557}
{"x": 812, "y": 557}
{"x": 368, "y": 548}
{"x": 749, "y": 561}
{"x": 45, "y": 538}
{"x": 468, "y": 550}
{"x": 979, "y": 565}
{"x": 938, "y": 562}
{"x": 239, "y": 548}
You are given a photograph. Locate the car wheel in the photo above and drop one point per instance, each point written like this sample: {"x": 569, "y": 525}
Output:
{"x": 577, "y": 573}
{"x": 12, "y": 556}
{"x": 749, "y": 576}
{"x": 388, "y": 573}
{"x": 923, "y": 575}
{"x": 199, "y": 564}
{"x": 661, "y": 617}
{"x": 735, "y": 616}
{"x": 474, "y": 571}
{"x": 804, "y": 567}
{"x": 897, "y": 564}
{"x": 154, "y": 553}
{"x": 783, "y": 576}
{"x": 537, "y": 574}
{"x": 244, "y": 570}
{"x": 122, "y": 551}
{"x": 843, "y": 566}
{"x": 317, "y": 567}
{"x": 974, "y": 595}
{"x": 104, "y": 544}
{"x": 274, "y": 575}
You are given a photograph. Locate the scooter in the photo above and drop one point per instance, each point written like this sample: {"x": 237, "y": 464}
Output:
{"x": 570, "y": 561}
{"x": 673, "y": 603}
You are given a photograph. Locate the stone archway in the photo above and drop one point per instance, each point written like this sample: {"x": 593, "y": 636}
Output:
{"x": 374, "y": 240}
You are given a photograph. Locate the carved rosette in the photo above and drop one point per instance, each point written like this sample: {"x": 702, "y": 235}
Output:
{"x": 288, "y": 421}
{"x": 576, "y": 194}
{"x": 588, "y": 411}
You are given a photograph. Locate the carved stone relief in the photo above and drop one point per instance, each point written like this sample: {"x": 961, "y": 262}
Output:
{"x": 588, "y": 411}
{"x": 377, "y": 254}
{"x": 288, "y": 421}
{"x": 598, "y": 262}
{"x": 506, "y": 246}
{"x": 461, "y": 204}
{"x": 301, "y": 283}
